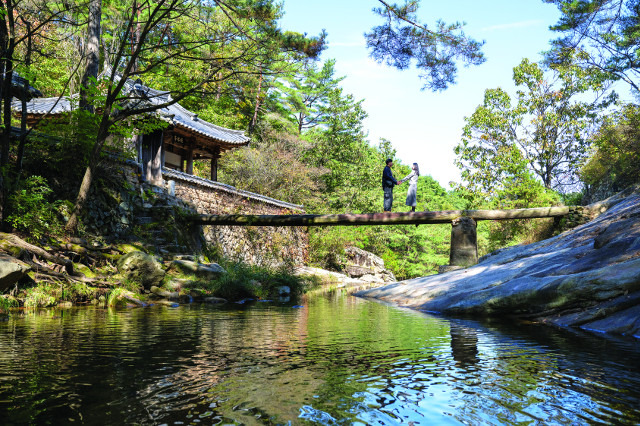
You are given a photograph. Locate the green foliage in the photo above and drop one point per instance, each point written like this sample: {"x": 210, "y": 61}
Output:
{"x": 598, "y": 34}
{"x": 31, "y": 210}
{"x": 272, "y": 166}
{"x": 352, "y": 180}
{"x": 544, "y": 134}
{"x": 47, "y": 294}
{"x": 403, "y": 38}
{"x": 306, "y": 94}
{"x": 326, "y": 246}
{"x": 615, "y": 160}
{"x": 77, "y": 292}
{"x": 7, "y": 302}
{"x": 116, "y": 299}
{"x": 572, "y": 198}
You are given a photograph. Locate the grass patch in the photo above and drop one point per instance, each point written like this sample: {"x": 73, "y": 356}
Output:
{"x": 42, "y": 295}
{"x": 242, "y": 281}
{"x": 7, "y": 302}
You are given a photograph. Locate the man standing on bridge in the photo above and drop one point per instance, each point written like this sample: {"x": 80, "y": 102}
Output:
{"x": 388, "y": 182}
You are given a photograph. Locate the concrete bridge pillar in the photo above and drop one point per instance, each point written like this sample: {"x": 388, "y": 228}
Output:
{"x": 464, "y": 242}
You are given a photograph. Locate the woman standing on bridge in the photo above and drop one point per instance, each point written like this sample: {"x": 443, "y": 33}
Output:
{"x": 413, "y": 186}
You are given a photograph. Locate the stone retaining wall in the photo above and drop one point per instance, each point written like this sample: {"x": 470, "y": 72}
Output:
{"x": 257, "y": 245}
{"x": 578, "y": 215}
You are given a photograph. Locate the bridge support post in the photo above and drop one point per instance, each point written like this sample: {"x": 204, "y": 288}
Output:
{"x": 464, "y": 242}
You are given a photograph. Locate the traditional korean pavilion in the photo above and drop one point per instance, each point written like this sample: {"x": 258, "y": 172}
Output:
{"x": 187, "y": 138}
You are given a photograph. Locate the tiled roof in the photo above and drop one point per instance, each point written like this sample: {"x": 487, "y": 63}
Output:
{"x": 172, "y": 174}
{"x": 46, "y": 105}
{"x": 18, "y": 85}
{"x": 178, "y": 175}
{"x": 141, "y": 97}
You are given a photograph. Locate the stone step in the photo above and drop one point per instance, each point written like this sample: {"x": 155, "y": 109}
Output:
{"x": 143, "y": 220}
{"x": 172, "y": 248}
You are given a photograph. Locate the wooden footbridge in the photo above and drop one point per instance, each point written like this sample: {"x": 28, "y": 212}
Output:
{"x": 388, "y": 218}
{"x": 463, "y": 252}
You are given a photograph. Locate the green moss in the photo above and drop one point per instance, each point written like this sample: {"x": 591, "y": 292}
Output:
{"x": 9, "y": 248}
{"x": 84, "y": 269}
{"x": 128, "y": 248}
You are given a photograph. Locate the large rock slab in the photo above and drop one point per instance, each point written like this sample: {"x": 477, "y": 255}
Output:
{"x": 587, "y": 277}
{"x": 331, "y": 278}
{"x": 141, "y": 268}
{"x": 364, "y": 265}
{"x": 11, "y": 271}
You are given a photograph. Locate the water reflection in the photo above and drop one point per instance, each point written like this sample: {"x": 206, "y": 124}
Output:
{"x": 464, "y": 344}
{"x": 337, "y": 360}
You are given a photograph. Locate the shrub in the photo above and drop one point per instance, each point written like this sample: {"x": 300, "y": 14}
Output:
{"x": 7, "y": 302}
{"x": 31, "y": 211}
{"x": 41, "y": 296}
{"x": 241, "y": 281}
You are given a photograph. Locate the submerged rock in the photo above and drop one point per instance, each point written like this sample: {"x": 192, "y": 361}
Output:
{"x": 172, "y": 295}
{"x": 588, "y": 277}
{"x": 212, "y": 299}
{"x": 208, "y": 271}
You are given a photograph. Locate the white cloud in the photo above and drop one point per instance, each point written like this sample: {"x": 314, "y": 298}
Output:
{"x": 521, "y": 24}
{"x": 359, "y": 43}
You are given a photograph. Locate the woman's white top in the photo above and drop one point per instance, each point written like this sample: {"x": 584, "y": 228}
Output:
{"x": 412, "y": 178}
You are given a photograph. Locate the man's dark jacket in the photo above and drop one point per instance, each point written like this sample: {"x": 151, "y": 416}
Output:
{"x": 388, "y": 181}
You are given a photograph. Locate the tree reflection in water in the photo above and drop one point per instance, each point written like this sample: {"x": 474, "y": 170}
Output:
{"x": 338, "y": 360}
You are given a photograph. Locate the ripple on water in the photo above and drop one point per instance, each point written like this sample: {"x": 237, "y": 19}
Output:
{"x": 336, "y": 360}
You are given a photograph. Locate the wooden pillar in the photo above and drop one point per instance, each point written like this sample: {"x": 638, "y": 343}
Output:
{"x": 163, "y": 148}
{"x": 464, "y": 242}
{"x": 151, "y": 157}
{"x": 214, "y": 165}
{"x": 190, "y": 158}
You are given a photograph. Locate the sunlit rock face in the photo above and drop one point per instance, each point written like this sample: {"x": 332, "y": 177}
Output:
{"x": 587, "y": 277}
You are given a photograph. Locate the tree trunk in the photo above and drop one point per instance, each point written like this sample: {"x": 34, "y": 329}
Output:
{"x": 93, "y": 55}
{"x": 83, "y": 193}
{"x": 135, "y": 35}
{"x": 23, "y": 116}
{"x": 300, "y": 119}
{"x": 7, "y": 46}
{"x": 254, "y": 120}
{"x": 18, "y": 242}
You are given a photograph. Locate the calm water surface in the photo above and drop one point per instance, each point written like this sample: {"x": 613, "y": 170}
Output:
{"x": 336, "y": 360}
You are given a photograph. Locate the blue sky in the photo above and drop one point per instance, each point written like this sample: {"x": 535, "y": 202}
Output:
{"x": 422, "y": 125}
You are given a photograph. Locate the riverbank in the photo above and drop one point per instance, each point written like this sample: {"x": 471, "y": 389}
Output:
{"x": 587, "y": 277}
{"x": 127, "y": 275}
